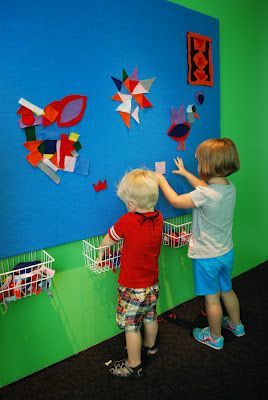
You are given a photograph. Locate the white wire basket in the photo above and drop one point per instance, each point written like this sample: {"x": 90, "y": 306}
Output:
{"x": 177, "y": 231}
{"x": 92, "y": 252}
{"x": 24, "y": 275}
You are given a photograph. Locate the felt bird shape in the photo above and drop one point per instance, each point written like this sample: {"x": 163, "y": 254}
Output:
{"x": 180, "y": 128}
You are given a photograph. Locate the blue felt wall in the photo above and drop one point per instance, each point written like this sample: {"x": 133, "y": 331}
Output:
{"x": 56, "y": 48}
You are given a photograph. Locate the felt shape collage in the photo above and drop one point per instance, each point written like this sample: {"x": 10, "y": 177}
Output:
{"x": 60, "y": 152}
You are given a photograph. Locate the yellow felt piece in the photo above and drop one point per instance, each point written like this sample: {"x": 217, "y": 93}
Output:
{"x": 48, "y": 156}
{"x": 73, "y": 136}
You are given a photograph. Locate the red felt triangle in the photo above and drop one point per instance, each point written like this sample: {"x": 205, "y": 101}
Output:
{"x": 138, "y": 98}
{"x": 32, "y": 146}
{"x": 125, "y": 117}
{"x": 145, "y": 102}
{"x": 116, "y": 97}
{"x": 24, "y": 110}
{"x": 127, "y": 85}
{"x": 142, "y": 100}
{"x": 46, "y": 122}
{"x": 54, "y": 160}
{"x": 132, "y": 85}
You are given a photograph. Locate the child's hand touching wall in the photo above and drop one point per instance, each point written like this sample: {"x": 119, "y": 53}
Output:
{"x": 179, "y": 164}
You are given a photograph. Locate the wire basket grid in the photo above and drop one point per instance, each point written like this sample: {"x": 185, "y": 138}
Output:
{"x": 177, "y": 232}
{"x": 24, "y": 275}
{"x": 99, "y": 258}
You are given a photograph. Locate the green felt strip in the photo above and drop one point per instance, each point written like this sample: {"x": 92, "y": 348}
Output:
{"x": 77, "y": 145}
{"x": 30, "y": 133}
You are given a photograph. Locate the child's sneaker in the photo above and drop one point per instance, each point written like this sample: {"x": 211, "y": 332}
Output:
{"x": 203, "y": 336}
{"x": 237, "y": 330}
{"x": 122, "y": 369}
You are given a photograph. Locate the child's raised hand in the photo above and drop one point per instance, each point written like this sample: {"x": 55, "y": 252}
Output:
{"x": 99, "y": 260}
{"x": 179, "y": 164}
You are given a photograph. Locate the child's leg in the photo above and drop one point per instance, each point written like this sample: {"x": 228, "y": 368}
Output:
{"x": 150, "y": 322}
{"x": 214, "y": 314}
{"x": 231, "y": 304}
{"x": 150, "y": 333}
{"x": 133, "y": 342}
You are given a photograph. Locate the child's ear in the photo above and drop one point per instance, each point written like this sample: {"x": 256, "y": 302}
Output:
{"x": 131, "y": 206}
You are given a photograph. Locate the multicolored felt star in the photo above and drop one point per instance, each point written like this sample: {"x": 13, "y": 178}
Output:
{"x": 131, "y": 93}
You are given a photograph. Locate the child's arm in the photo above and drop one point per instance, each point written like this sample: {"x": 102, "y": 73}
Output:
{"x": 177, "y": 201}
{"x": 106, "y": 241}
{"x": 193, "y": 180}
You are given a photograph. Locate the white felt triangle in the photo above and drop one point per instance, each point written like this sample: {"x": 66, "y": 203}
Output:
{"x": 124, "y": 97}
{"x": 125, "y": 107}
{"x": 135, "y": 114}
{"x": 139, "y": 89}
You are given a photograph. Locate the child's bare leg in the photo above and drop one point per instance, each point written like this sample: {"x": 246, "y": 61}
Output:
{"x": 214, "y": 313}
{"x": 150, "y": 333}
{"x": 133, "y": 342}
{"x": 231, "y": 304}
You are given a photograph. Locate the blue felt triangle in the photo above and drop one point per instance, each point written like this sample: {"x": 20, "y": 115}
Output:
{"x": 117, "y": 82}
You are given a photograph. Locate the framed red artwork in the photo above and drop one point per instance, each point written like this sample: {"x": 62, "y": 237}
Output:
{"x": 199, "y": 57}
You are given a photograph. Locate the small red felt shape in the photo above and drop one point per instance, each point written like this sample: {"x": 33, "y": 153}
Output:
{"x": 130, "y": 84}
{"x": 28, "y": 119}
{"x": 66, "y": 148}
{"x": 199, "y": 57}
{"x": 50, "y": 113}
{"x": 27, "y": 116}
{"x": 100, "y": 185}
{"x": 24, "y": 110}
{"x": 34, "y": 158}
{"x": 33, "y": 145}
{"x": 142, "y": 101}
{"x": 116, "y": 97}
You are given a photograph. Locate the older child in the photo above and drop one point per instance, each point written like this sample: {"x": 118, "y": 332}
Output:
{"x": 211, "y": 245}
{"x": 141, "y": 231}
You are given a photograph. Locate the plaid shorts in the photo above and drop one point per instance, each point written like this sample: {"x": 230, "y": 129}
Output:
{"x": 136, "y": 306}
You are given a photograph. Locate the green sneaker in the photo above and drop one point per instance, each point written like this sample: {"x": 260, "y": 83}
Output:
{"x": 203, "y": 336}
{"x": 237, "y": 330}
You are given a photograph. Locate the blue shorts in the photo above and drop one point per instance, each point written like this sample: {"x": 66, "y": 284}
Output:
{"x": 213, "y": 275}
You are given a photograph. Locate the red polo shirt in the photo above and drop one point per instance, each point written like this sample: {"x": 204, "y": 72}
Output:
{"x": 142, "y": 235}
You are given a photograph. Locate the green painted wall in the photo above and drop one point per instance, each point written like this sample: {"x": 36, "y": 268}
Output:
{"x": 39, "y": 331}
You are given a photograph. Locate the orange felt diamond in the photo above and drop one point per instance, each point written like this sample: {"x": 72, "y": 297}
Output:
{"x": 34, "y": 158}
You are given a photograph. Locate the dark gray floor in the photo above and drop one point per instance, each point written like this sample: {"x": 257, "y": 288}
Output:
{"x": 184, "y": 368}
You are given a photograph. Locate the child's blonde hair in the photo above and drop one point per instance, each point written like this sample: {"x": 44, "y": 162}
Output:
{"x": 140, "y": 187}
{"x": 217, "y": 157}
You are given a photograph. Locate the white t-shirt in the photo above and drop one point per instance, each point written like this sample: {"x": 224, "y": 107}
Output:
{"x": 212, "y": 220}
